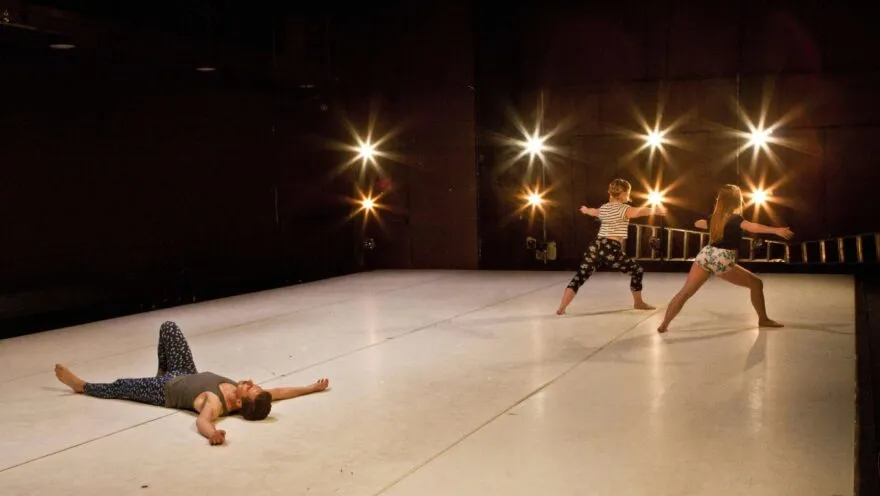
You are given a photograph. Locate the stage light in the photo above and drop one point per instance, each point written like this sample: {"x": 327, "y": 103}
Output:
{"x": 366, "y": 151}
{"x": 654, "y": 139}
{"x": 655, "y": 198}
{"x": 535, "y": 199}
{"x": 760, "y": 197}
{"x": 368, "y": 205}
{"x": 759, "y": 138}
{"x": 534, "y": 145}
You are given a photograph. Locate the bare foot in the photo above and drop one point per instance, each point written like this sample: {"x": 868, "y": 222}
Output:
{"x": 560, "y": 311}
{"x": 643, "y": 306}
{"x": 68, "y": 378}
{"x": 661, "y": 330}
{"x": 320, "y": 385}
{"x": 769, "y": 323}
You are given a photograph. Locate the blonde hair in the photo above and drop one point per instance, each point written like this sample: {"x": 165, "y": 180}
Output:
{"x": 729, "y": 200}
{"x": 619, "y": 187}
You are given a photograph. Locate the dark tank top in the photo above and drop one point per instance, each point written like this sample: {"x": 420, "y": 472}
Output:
{"x": 733, "y": 233}
{"x": 181, "y": 392}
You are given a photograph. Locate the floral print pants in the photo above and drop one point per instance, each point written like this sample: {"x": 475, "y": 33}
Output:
{"x": 604, "y": 252}
{"x": 175, "y": 358}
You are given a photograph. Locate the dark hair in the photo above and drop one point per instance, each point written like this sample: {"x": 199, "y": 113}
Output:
{"x": 258, "y": 408}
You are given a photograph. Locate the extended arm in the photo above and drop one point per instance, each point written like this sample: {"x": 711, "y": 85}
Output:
{"x": 285, "y": 393}
{"x": 208, "y": 413}
{"x": 592, "y": 212}
{"x": 754, "y": 227}
{"x": 633, "y": 212}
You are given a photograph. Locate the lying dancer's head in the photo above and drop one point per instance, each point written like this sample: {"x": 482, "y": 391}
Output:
{"x": 619, "y": 190}
{"x": 255, "y": 404}
{"x": 728, "y": 202}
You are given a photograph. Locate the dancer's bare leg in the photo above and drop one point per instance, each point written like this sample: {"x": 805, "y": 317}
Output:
{"x": 69, "y": 378}
{"x": 639, "y": 303}
{"x": 567, "y": 296}
{"x": 695, "y": 280}
{"x": 742, "y": 277}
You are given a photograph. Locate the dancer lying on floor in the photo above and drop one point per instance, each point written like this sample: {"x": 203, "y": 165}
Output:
{"x": 607, "y": 249}
{"x": 726, "y": 226}
{"x": 179, "y": 385}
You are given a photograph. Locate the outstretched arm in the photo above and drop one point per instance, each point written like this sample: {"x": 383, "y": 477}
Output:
{"x": 592, "y": 212}
{"x": 285, "y": 393}
{"x": 208, "y": 413}
{"x": 633, "y": 212}
{"x": 754, "y": 227}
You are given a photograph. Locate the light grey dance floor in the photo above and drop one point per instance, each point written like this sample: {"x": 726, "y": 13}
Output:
{"x": 458, "y": 383}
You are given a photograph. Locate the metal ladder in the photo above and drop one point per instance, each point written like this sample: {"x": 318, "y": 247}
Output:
{"x": 682, "y": 245}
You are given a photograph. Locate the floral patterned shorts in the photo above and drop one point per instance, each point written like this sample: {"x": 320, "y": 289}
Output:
{"x": 716, "y": 260}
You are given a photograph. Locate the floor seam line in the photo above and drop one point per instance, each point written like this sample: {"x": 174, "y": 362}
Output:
{"x": 88, "y": 441}
{"x": 511, "y": 407}
{"x": 407, "y": 333}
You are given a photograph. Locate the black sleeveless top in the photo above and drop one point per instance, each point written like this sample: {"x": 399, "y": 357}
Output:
{"x": 733, "y": 233}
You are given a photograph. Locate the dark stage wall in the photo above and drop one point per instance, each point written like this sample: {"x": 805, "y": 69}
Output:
{"x": 130, "y": 181}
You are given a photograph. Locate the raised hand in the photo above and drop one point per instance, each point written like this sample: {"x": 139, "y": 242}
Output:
{"x": 584, "y": 210}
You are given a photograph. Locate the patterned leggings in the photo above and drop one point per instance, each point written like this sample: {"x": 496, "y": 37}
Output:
{"x": 175, "y": 359}
{"x": 604, "y": 252}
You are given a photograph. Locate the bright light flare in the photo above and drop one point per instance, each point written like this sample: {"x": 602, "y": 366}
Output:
{"x": 760, "y": 196}
{"x": 655, "y": 198}
{"x": 661, "y": 195}
{"x": 535, "y": 199}
{"x": 654, "y": 139}
{"x": 533, "y": 142}
{"x": 368, "y": 205}
{"x": 366, "y": 151}
{"x": 534, "y": 145}
{"x": 759, "y": 138}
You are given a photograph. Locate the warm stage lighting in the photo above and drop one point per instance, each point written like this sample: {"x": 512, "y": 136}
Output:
{"x": 654, "y": 139}
{"x": 534, "y": 145}
{"x": 367, "y": 206}
{"x": 655, "y": 198}
{"x": 759, "y": 138}
{"x": 366, "y": 151}
{"x": 760, "y": 197}
{"x": 535, "y": 199}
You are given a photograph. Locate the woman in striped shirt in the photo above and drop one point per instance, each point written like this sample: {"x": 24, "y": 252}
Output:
{"x": 607, "y": 249}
